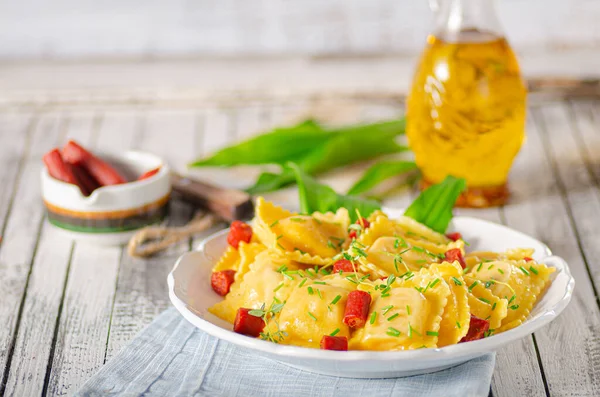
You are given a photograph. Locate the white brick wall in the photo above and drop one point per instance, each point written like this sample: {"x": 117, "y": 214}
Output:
{"x": 93, "y": 28}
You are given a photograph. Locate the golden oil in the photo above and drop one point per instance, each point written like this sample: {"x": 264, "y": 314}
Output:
{"x": 466, "y": 115}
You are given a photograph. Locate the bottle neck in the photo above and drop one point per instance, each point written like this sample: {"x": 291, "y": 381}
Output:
{"x": 467, "y": 20}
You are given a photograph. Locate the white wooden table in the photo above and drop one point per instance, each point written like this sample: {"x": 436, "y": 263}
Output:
{"x": 67, "y": 308}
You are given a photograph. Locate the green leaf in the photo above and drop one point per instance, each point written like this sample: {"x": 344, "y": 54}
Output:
{"x": 343, "y": 146}
{"x": 276, "y": 147}
{"x": 315, "y": 196}
{"x": 380, "y": 172}
{"x": 433, "y": 207}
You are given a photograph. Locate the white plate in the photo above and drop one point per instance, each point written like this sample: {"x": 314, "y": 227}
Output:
{"x": 191, "y": 293}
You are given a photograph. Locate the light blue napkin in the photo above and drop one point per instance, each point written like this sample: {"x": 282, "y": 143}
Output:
{"x": 173, "y": 358}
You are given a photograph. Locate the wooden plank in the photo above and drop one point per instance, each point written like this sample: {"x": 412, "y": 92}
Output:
{"x": 85, "y": 318}
{"x": 141, "y": 292}
{"x": 22, "y": 228}
{"x": 34, "y": 344}
{"x": 540, "y": 209}
{"x": 584, "y": 121}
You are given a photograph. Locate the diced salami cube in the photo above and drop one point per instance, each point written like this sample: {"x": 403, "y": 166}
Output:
{"x": 221, "y": 281}
{"x": 477, "y": 329}
{"x": 339, "y": 343}
{"x": 239, "y": 231}
{"x": 247, "y": 324}
{"x": 357, "y": 309}
{"x": 344, "y": 265}
{"x": 455, "y": 254}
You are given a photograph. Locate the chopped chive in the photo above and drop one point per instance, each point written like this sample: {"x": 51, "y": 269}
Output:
{"x": 514, "y": 307}
{"x": 317, "y": 221}
{"x": 524, "y": 270}
{"x": 458, "y": 324}
{"x": 500, "y": 271}
{"x": 280, "y": 246}
{"x": 533, "y": 270}
{"x": 390, "y": 318}
{"x": 319, "y": 293}
{"x": 494, "y": 306}
{"x": 330, "y": 244}
{"x": 334, "y": 333}
{"x": 466, "y": 270}
{"x": 299, "y": 250}
{"x": 312, "y": 316}
{"x": 287, "y": 276}
{"x": 320, "y": 282}
{"x": 396, "y": 243}
{"x": 456, "y": 281}
{"x": 302, "y": 283}
{"x": 386, "y": 309}
{"x": 418, "y": 249}
{"x": 336, "y": 299}
{"x": 297, "y": 219}
{"x": 479, "y": 267}
{"x": 485, "y": 300}
{"x": 310, "y": 291}
{"x": 408, "y": 310}
{"x": 278, "y": 287}
{"x": 421, "y": 261}
{"x": 385, "y": 295}
{"x": 324, "y": 271}
{"x": 274, "y": 223}
{"x": 393, "y": 332}
{"x": 473, "y": 285}
{"x": 278, "y": 237}
{"x": 433, "y": 284}
{"x": 281, "y": 268}
{"x": 373, "y": 317}
{"x": 432, "y": 333}
{"x": 490, "y": 267}
{"x": 512, "y": 298}
{"x": 351, "y": 279}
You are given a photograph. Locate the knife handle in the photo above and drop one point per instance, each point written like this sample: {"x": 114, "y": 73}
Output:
{"x": 229, "y": 204}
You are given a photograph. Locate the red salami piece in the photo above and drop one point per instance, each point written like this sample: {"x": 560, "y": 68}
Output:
{"x": 57, "y": 168}
{"x": 103, "y": 172}
{"x": 148, "y": 174}
{"x": 85, "y": 179}
{"x": 344, "y": 265}
{"x": 239, "y": 231}
{"x": 221, "y": 281}
{"x": 364, "y": 223}
{"x": 247, "y": 324}
{"x": 357, "y": 309}
{"x": 454, "y": 236}
{"x": 477, "y": 329}
{"x": 528, "y": 259}
{"x": 339, "y": 343}
{"x": 455, "y": 254}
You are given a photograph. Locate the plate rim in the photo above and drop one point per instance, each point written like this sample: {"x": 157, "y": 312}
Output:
{"x": 458, "y": 350}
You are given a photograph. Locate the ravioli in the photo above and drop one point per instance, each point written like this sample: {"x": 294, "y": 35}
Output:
{"x": 409, "y": 318}
{"x": 393, "y": 250}
{"x": 307, "y": 239}
{"x": 418, "y": 299}
{"x": 239, "y": 259}
{"x": 520, "y": 282}
{"x": 484, "y": 304}
{"x": 259, "y": 285}
{"x": 314, "y": 310}
{"x": 457, "y": 310}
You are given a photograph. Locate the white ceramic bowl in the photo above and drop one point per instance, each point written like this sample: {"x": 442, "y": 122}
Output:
{"x": 191, "y": 293}
{"x": 111, "y": 214}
